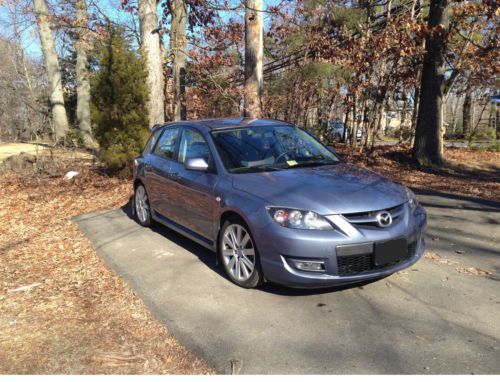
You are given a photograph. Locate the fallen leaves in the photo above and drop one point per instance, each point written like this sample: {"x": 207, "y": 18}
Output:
{"x": 474, "y": 271}
{"x": 63, "y": 310}
{"x": 467, "y": 172}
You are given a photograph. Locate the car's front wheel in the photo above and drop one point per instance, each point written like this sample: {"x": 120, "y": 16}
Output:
{"x": 142, "y": 209}
{"x": 239, "y": 255}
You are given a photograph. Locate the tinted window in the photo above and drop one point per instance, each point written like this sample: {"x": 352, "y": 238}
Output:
{"x": 193, "y": 145}
{"x": 166, "y": 144}
{"x": 266, "y": 148}
{"x": 151, "y": 142}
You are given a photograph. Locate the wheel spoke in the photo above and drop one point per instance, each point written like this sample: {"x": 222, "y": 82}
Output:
{"x": 238, "y": 269}
{"x": 247, "y": 264}
{"x": 238, "y": 235}
{"x": 233, "y": 238}
{"x": 244, "y": 268}
{"x": 248, "y": 252}
{"x": 245, "y": 240}
{"x": 227, "y": 240}
{"x": 227, "y": 252}
{"x": 230, "y": 264}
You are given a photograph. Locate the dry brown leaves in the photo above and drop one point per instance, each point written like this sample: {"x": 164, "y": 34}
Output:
{"x": 62, "y": 310}
{"x": 468, "y": 173}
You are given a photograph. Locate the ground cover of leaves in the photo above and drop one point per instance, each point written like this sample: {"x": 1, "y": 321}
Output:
{"x": 466, "y": 172}
{"x": 62, "y": 310}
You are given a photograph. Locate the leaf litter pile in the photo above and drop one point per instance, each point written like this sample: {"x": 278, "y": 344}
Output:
{"x": 62, "y": 310}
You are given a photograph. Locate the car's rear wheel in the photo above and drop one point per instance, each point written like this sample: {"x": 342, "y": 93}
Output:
{"x": 142, "y": 209}
{"x": 239, "y": 255}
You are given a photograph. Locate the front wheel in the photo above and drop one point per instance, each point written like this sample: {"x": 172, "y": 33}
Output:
{"x": 239, "y": 255}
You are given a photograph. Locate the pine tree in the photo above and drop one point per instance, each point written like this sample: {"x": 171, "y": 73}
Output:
{"x": 119, "y": 99}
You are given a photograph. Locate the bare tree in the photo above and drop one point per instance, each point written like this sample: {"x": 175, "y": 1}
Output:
{"x": 178, "y": 44}
{"x": 150, "y": 45}
{"x": 427, "y": 148}
{"x": 59, "y": 117}
{"x": 254, "y": 52}
{"x": 82, "y": 73}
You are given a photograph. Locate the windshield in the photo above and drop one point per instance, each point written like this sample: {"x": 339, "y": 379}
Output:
{"x": 270, "y": 148}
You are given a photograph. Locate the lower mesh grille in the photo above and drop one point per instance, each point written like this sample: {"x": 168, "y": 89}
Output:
{"x": 352, "y": 265}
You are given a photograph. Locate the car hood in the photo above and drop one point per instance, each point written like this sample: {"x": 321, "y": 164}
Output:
{"x": 336, "y": 189}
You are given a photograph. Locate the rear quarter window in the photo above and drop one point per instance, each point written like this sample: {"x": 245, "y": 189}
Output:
{"x": 151, "y": 142}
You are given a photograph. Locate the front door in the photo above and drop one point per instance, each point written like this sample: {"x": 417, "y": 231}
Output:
{"x": 196, "y": 199}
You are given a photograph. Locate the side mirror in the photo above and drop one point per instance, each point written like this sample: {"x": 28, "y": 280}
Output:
{"x": 196, "y": 164}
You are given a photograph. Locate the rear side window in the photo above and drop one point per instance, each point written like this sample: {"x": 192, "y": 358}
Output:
{"x": 166, "y": 145}
{"x": 151, "y": 142}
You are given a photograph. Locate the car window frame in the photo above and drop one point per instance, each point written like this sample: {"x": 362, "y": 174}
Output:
{"x": 212, "y": 167}
{"x": 176, "y": 148}
{"x": 158, "y": 131}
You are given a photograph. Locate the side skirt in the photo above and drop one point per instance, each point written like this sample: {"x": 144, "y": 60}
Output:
{"x": 203, "y": 241}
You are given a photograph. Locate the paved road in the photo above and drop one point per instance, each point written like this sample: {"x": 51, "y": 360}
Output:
{"x": 430, "y": 318}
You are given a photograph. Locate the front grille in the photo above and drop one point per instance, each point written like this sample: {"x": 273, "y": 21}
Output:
{"x": 369, "y": 218}
{"x": 353, "y": 265}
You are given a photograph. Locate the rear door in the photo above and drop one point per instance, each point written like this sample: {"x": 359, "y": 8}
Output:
{"x": 195, "y": 190}
{"x": 159, "y": 171}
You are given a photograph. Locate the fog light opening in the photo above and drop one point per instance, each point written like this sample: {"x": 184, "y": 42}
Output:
{"x": 308, "y": 265}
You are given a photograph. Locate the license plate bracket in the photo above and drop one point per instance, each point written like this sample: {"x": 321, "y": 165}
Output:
{"x": 390, "y": 251}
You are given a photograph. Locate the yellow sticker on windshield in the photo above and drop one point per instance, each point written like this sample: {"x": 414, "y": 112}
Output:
{"x": 291, "y": 162}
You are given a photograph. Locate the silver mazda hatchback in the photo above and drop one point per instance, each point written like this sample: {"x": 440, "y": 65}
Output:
{"x": 275, "y": 204}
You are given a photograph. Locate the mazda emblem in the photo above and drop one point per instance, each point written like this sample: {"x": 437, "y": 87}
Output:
{"x": 384, "y": 219}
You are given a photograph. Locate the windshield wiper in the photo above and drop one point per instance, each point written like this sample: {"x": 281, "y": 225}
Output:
{"x": 313, "y": 163}
{"x": 263, "y": 167}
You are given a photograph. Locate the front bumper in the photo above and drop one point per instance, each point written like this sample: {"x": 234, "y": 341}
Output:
{"x": 278, "y": 245}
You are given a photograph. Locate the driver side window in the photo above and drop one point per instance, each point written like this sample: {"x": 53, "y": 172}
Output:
{"x": 193, "y": 145}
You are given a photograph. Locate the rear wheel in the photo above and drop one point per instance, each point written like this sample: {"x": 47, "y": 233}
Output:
{"x": 142, "y": 209}
{"x": 239, "y": 255}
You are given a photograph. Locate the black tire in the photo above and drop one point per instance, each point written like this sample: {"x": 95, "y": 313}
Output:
{"x": 147, "y": 220}
{"x": 337, "y": 138}
{"x": 256, "y": 278}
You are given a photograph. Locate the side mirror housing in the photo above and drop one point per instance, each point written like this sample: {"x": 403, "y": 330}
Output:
{"x": 196, "y": 164}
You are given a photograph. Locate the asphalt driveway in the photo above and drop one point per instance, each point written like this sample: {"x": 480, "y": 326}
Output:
{"x": 440, "y": 316}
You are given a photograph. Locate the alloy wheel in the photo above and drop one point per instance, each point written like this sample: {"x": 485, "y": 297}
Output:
{"x": 141, "y": 204}
{"x": 238, "y": 252}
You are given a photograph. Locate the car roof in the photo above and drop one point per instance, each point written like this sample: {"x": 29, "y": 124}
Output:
{"x": 226, "y": 123}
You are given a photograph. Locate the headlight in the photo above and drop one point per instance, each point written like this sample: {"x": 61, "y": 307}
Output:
{"x": 412, "y": 200}
{"x": 300, "y": 219}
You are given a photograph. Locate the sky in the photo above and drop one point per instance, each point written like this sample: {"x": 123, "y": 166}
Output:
{"x": 29, "y": 35}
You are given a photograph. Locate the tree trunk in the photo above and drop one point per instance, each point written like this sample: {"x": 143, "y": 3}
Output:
{"x": 150, "y": 46}
{"x": 178, "y": 46}
{"x": 497, "y": 122}
{"x": 254, "y": 52}
{"x": 59, "y": 117}
{"x": 466, "y": 113}
{"x": 82, "y": 74}
{"x": 427, "y": 149}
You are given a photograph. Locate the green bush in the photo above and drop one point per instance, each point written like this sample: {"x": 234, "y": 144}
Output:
{"x": 119, "y": 97}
